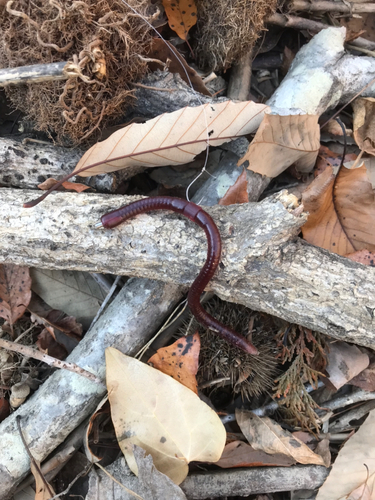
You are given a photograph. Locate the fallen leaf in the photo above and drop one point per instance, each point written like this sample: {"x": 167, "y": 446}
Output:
{"x": 282, "y": 141}
{"x": 48, "y": 345}
{"x": 75, "y": 186}
{"x": 364, "y": 123}
{"x": 164, "y": 51}
{"x": 344, "y": 362}
{"x": 323, "y": 450}
{"x": 180, "y": 360}
{"x": 341, "y": 211}
{"x": 353, "y": 465}
{"x": 366, "y": 379}
{"x": 236, "y": 193}
{"x": 172, "y": 138}
{"x": 152, "y": 410}
{"x": 4, "y": 409}
{"x": 182, "y": 15}
{"x": 327, "y": 158}
{"x": 43, "y": 490}
{"x": 363, "y": 257}
{"x": 364, "y": 491}
{"x": 266, "y": 435}
{"x": 15, "y": 293}
{"x": 240, "y": 454}
{"x": 74, "y": 292}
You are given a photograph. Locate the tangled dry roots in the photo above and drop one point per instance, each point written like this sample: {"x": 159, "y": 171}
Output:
{"x": 228, "y": 29}
{"x": 102, "y": 40}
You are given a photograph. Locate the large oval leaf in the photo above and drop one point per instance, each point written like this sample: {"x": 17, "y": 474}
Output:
{"x": 172, "y": 138}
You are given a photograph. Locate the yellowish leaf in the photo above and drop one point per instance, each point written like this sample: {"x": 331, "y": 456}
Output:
{"x": 172, "y": 138}
{"x": 282, "y": 141}
{"x": 182, "y": 15}
{"x": 341, "y": 211}
{"x": 266, "y": 435}
{"x": 354, "y": 465}
{"x": 152, "y": 410}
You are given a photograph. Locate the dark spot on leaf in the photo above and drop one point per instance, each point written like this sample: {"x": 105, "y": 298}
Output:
{"x": 163, "y": 439}
{"x": 181, "y": 24}
{"x": 333, "y": 244}
{"x": 210, "y": 133}
{"x": 180, "y": 346}
{"x": 183, "y": 12}
{"x": 193, "y": 14}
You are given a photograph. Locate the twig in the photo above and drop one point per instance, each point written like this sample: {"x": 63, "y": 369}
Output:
{"x": 329, "y": 6}
{"x": 140, "y": 85}
{"x": 57, "y": 363}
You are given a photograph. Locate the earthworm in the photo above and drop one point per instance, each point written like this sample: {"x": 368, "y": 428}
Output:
{"x": 196, "y": 214}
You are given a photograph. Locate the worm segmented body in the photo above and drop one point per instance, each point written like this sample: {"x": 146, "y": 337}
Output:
{"x": 200, "y": 217}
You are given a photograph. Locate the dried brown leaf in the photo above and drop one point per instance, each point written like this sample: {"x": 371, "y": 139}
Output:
{"x": 164, "y": 51}
{"x": 240, "y": 454}
{"x": 266, "y": 435}
{"x": 345, "y": 361}
{"x": 172, "y": 138}
{"x": 182, "y": 15}
{"x": 366, "y": 379}
{"x": 364, "y": 123}
{"x": 282, "y": 141}
{"x": 73, "y": 186}
{"x": 180, "y": 360}
{"x": 341, "y": 211}
{"x": 43, "y": 490}
{"x": 236, "y": 193}
{"x": 15, "y": 291}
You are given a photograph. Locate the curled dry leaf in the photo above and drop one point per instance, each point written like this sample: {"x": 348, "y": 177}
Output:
{"x": 236, "y": 193}
{"x": 152, "y": 410}
{"x": 172, "y": 138}
{"x": 240, "y": 454}
{"x": 266, "y": 435}
{"x": 354, "y": 465}
{"x": 75, "y": 186}
{"x": 341, "y": 211}
{"x": 180, "y": 360}
{"x": 15, "y": 291}
{"x": 282, "y": 141}
{"x": 364, "y": 123}
{"x": 182, "y": 15}
{"x": 164, "y": 51}
{"x": 345, "y": 361}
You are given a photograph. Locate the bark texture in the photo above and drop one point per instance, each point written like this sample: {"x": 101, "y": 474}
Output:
{"x": 265, "y": 266}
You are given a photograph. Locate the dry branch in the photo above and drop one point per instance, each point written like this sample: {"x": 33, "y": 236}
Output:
{"x": 264, "y": 265}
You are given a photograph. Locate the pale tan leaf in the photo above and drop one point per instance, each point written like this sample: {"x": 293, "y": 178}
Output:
{"x": 364, "y": 123}
{"x": 15, "y": 292}
{"x": 348, "y": 471}
{"x": 152, "y": 410}
{"x": 341, "y": 211}
{"x": 282, "y": 141}
{"x": 172, "y": 138}
{"x": 344, "y": 362}
{"x": 43, "y": 490}
{"x": 266, "y": 435}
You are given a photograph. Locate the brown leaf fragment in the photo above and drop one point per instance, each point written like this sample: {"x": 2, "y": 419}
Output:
{"x": 345, "y": 361}
{"x": 43, "y": 490}
{"x": 366, "y": 379}
{"x": 48, "y": 345}
{"x": 15, "y": 292}
{"x": 182, "y": 15}
{"x": 172, "y": 138}
{"x": 341, "y": 211}
{"x": 363, "y": 257}
{"x": 266, "y": 435}
{"x": 72, "y": 186}
{"x": 180, "y": 360}
{"x": 164, "y": 51}
{"x": 282, "y": 141}
{"x": 240, "y": 454}
{"x": 327, "y": 158}
{"x": 4, "y": 409}
{"x": 364, "y": 123}
{"x": 236, "y": 193}
{"x": 323, "y": 450}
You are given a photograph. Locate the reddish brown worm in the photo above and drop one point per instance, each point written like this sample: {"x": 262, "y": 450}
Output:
{"x": 200, "y": 217}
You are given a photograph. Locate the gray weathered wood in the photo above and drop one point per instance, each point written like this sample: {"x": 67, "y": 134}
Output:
{"x": 27, "y": 165}
{"x": 264, "y": 265}
{"x": 34, "y": 73}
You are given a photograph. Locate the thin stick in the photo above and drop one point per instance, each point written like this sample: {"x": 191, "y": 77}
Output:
{"x": 57, "y": 363}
